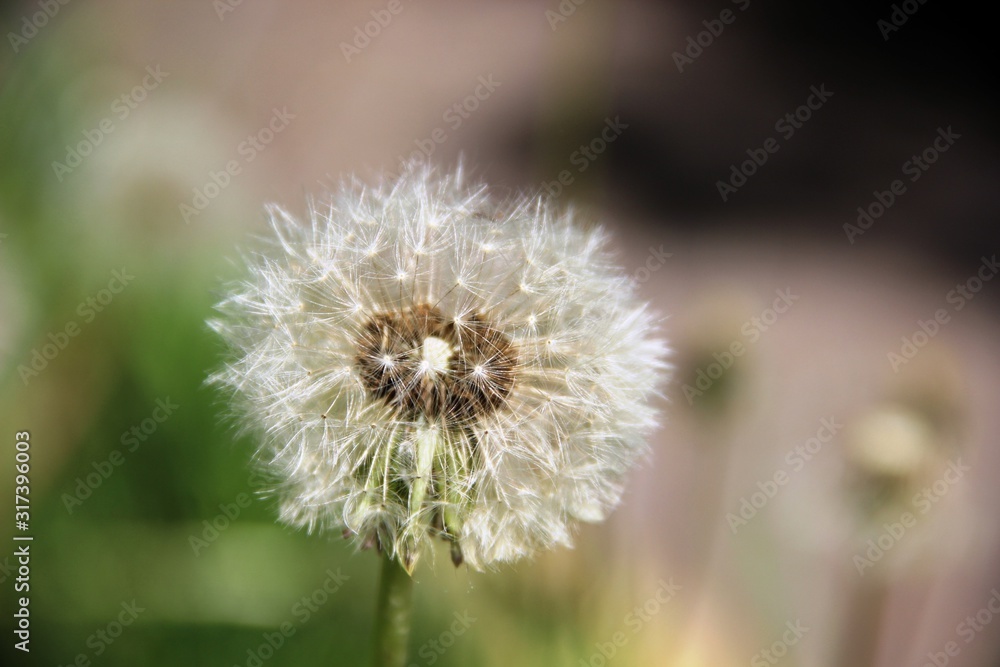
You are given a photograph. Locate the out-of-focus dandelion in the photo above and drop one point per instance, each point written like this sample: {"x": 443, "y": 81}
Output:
{"x": 421, "y": 362}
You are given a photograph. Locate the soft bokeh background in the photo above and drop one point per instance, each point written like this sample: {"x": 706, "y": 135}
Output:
{"x": 551, "y": 77}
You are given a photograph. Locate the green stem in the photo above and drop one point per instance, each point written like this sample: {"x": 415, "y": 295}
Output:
{"x": 392, "y": 618}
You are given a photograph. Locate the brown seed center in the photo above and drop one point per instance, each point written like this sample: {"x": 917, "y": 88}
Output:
{"x": 425, "y": 364}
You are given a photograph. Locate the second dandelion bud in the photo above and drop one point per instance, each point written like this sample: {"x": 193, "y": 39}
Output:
{"x": 420, "y": 362}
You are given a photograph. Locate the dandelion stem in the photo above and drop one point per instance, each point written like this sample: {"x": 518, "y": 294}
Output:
{"x": 392, "y": 618}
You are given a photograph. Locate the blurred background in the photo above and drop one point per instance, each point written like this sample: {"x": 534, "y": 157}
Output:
{"x": 808, "y": 194}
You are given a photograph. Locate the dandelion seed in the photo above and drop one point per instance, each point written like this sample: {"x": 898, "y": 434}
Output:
{"x": 419, "y": 362}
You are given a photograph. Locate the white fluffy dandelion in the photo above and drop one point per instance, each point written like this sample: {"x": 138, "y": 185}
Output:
{"x": 420, "y": 362}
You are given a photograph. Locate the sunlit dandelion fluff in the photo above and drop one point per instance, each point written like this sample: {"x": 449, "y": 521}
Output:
{"x": 418, "y": 362}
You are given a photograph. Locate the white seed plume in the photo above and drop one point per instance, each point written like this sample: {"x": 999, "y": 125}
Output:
{"x": 420, "y": 362}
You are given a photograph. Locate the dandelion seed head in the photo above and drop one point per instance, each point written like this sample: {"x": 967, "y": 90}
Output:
{"x": 419, "y": 362}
